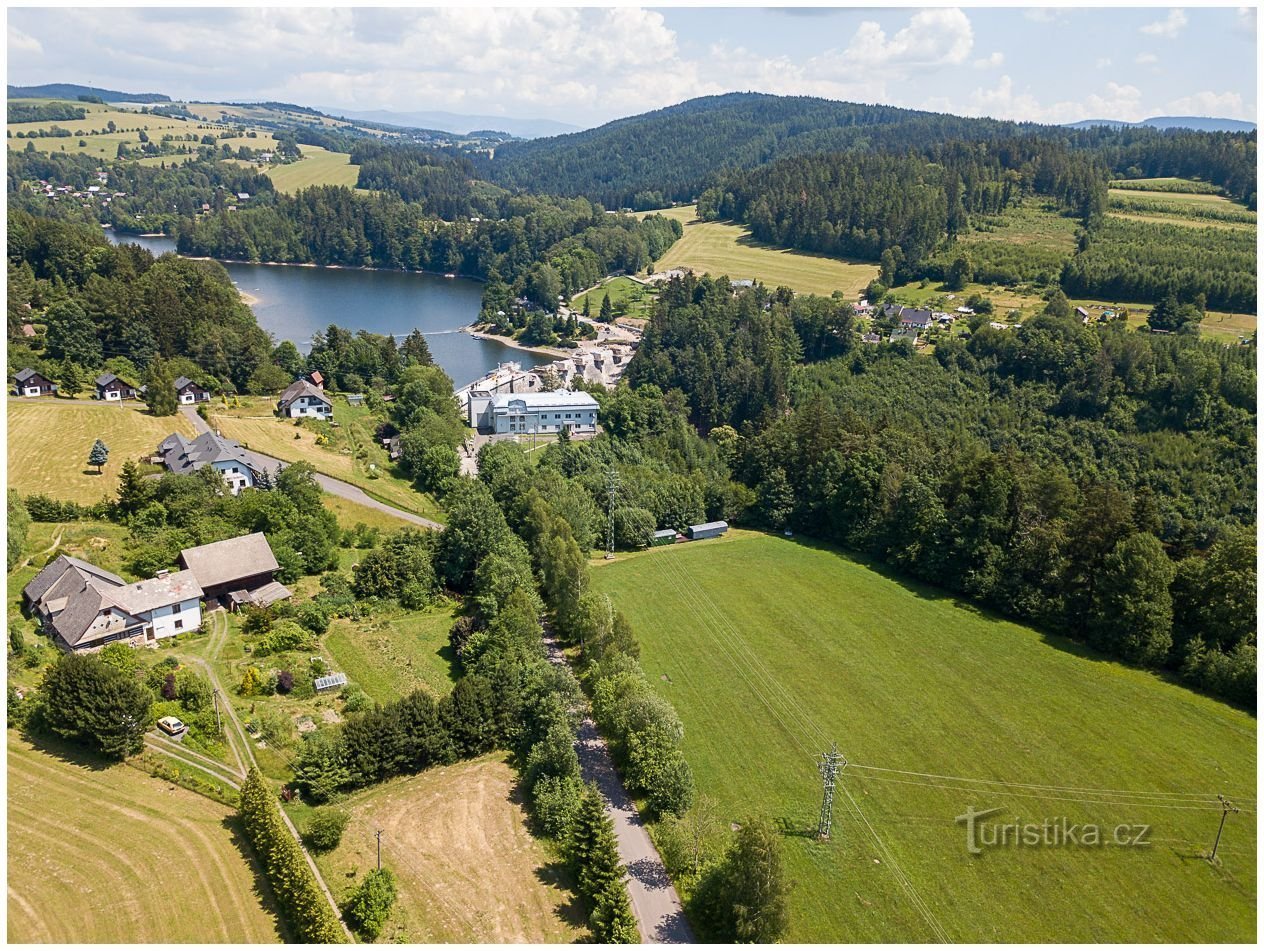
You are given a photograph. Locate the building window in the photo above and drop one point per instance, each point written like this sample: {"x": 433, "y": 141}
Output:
{"x": 179, "y": 625}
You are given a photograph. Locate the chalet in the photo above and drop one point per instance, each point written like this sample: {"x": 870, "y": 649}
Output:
{"x": 185, "y": 456}
{"x": 29, "y": 383}
{"x": 236, "y": 571}
{"x": 913, "y": 318}
{"x": 303, "y": 398}
{"x": 84, "y": 607}
{"x": 112, "y": 389}
{"x": 189, "y": 392}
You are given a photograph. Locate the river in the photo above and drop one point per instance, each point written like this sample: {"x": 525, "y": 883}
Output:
{"x": 293, "y": 302}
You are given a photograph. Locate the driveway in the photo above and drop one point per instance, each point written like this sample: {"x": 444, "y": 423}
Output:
{"x": 344, "y": 490}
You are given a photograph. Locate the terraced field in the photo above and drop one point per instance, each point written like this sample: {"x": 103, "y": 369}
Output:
{"x": 110, "y": 855}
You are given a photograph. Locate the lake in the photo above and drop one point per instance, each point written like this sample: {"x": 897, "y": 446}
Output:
{"x": 293, "y": 302}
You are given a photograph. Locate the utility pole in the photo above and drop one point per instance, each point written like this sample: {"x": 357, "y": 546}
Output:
{"x": 215, "y": 700}
{"x": 379, "y": 849}
{"x": 829, "y": 765}
{"x": 1226, "y": 807}
{"x": 612, "y": 490}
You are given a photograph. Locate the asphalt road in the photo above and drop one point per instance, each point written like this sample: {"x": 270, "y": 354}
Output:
{"x": 344, "y": 490}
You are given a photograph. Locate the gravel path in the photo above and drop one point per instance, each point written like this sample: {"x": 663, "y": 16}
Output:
{"x": 344, "y": 490}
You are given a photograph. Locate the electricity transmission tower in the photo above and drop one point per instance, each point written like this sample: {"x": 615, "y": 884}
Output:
{"x": 612, "y": 492}
{"x": 830, "y": 764}
{"x": 1226, "y": 807}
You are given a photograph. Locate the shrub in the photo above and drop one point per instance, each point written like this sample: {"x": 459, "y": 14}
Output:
{"x": 284, "y": 636}
{"x": 554, "y": 802}
{"x": 91, "y": 702}
{"x": 371, "y": 902}
{"x": 284, "y": 682}
{"x": 325, "y": 829}
{"x": 354, "y": 700}
{"x": 313, "y": 617}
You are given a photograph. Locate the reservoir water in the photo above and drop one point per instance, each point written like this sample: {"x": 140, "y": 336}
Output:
{"x": 293, "y": 302}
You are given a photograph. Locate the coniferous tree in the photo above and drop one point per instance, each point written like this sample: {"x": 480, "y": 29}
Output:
{"x": 160, "y": 390}
{"x": 98, "y": 455}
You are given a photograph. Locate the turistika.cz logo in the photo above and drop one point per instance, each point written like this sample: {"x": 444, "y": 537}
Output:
{"x": 1054, "y": 832}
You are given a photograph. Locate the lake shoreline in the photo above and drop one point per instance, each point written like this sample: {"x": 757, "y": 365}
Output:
{"x": 554, "y": 352}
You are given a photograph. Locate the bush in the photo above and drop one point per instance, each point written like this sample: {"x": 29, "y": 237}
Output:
{"x": 91, "y": 702}
{"x": 554, "y": 802}
{"x": 284, "y": 636}
{"x": 355, "y": 700}
{"x": 325, "y": 829}
{"x": 284, "y": 682}
{"x": 370, "y": 904}
{"x": 313, "y": 617}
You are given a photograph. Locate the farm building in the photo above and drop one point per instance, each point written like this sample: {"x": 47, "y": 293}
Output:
{"x": 185, "y": 456}
{"x": 535, "y": 412}
{"x": 189, "y": 392}
{"x": 112, "y": 388}
{"x": 236, "y": 571}
{"x": 304, "y": 398}
{"x": 665, "y": 536}
{"x": 706, "y": 530}
{"x": 85, "y": 608}
{"x": 29, "y": 383}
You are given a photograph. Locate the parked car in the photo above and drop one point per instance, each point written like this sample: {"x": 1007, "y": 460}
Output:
{"x": 172, "y": 726}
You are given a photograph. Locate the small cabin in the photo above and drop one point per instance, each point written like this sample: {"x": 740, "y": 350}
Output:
{"x": 666, "y": 536}
{"x": 706, "y": 530}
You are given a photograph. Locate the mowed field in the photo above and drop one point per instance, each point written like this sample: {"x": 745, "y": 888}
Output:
{"x": 467, "y": 868}
{"x": 771, "y": 649}
{"x": 317, "y": 167}
{"x": 114, "y": 856}
{"x": 719, "y": 247}
{"x": 49, "y": 442}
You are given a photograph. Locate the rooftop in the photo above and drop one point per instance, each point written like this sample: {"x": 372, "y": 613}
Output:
{"x": 232, "y": 559}
{"x": 555, "y": 398}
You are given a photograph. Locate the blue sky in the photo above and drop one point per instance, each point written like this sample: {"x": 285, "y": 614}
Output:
{"x": 590, "y": 65}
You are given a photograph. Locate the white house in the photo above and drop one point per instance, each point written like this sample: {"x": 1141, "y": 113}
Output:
{"x": 301, "y": 398}
{"x": 184, "y": 456}
{"x": 85, "y": 608}
{"x": 539, "y": 413}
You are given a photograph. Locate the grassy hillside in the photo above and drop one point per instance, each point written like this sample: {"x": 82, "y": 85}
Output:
{"x": 771, "y": 649}
{"x": 394, "y": 653}
{"x": 107, "y": 854}
{"x": 719, "y": 247}
{"x": 49, "y": 442}
{"x": 467, "y": 869}
{"x": 316, "y": 167}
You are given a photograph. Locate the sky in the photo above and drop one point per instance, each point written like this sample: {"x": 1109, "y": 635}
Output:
{"x": 588, "y": 65}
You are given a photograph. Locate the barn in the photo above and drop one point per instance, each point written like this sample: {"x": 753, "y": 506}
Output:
{"x": 236, "y": 571}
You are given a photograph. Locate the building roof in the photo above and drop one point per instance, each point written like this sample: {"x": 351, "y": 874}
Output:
{"x": 911, "y": 315}
{"x": 302, "y": 388}
{"x": 105, "y": 379}
{"x": 223, "y": 562}
{"x": 183, "y": 456}
{"x": 665, "y": 533}
{"x": 183, "y": 381}
{"x": 56, "y": 569}
{"x": 705, "y": 526}
{"x": 169, "y": 588}
{"x": 23, "y": 375}
{"x": 569, "y": 398}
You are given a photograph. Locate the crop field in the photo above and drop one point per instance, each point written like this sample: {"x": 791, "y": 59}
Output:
{"x": 719, "y": 247}
{"x": 636, "y": 298}
{"x": 316, "y": 167}
{"x": 467, "y": 868}
{"x": 124, "y": 858}
{"x": 771, "y": 649}
{"x": 49, "y": 442}
{"x": 390, "y": 654}
{"x": 105, "y": 143}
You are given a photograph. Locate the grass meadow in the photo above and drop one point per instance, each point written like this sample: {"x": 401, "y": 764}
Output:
{"x": 106, "y": 854}
{"x": 720, "y": 247}
{"x": 394, "y": 652}
{"x": 636, "y": 298}
{"x": 317, "y": 167}
{"x": 466, "y": 866}
{"x": 771, "y": 649}
{"x": 49, "y": 442}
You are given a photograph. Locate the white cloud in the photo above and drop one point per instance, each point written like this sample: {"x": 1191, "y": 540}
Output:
{"x": 1006, "y": 101}
{"x": 1145, "y": 59}
{"x": 1245, "y": 23}
{"x": 19, "y": 42}
{"x": 1043, "y": 14}
{"x": 1103, "y": 62}
{"x": 990, "y": 62}
{"x": 1226, "y": 105}
{"x": 932, "y": 38}
{"x": 1170, "y": 28}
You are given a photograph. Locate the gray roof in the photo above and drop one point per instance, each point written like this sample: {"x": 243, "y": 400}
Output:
{"x": 23, "y": 375}
{"x": 302, "y": 388}
{"x": 914, "y": 316}
{"x": 563, "y": 398}
{"x": 665, "y": 533}
{"x": 235, "y": 558}
{"x": 183, "y": 381}
{"x": 105, "y": 379}
{"x": 183, "y": 456}
{"x": 705, "y": 526}
{"x": 171, "y": 588}
{"x": 43, "y": 582}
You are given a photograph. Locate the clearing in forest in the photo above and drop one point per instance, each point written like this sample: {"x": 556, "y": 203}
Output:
{"x": 317, "y": 167}
{"x": 771, "y": 649}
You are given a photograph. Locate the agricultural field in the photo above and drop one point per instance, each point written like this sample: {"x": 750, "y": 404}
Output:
{"x": 128, "y": 125}
{"x": 316, "y": 167}
{"x": 1028, "y": 242}
{"x": 467, "y": 868}
{"x": 49, "y": 442}
{"x": 628, "y": 298}
{"x": 1191, "y": 210}
{"x": 349, "y": 451}
{"x": 124, "y": 858}
{"x": 718, "y": 247}
{"x": 771, "y": 649}
{"x": 393, "y": 652}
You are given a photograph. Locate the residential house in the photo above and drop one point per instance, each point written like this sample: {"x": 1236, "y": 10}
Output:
{"x": 523, "y": 413}
{"x": 903, "y": 333}
{"x": 916, "y": 319}
{"x": 303, "y": 398}
{"x": 236, "y": 571}
{"x": 189, "y": 392}
{"x": 112, "y": 389}
{"x": 84, "y": 607}
{"x": 184, "y": 456}
{"x": 1081, "y": 313}
{"x": 30, "y": 383}
{"x": 870, "y": 337}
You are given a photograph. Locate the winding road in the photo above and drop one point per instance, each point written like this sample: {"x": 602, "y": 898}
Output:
{"x": 344, "y": 490}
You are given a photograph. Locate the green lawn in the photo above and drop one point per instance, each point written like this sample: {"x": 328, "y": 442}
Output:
{"x": 394, "y": 652}
{"x": 772, "y": 648}
{"x": 317, "y": 167}
{"x": 628, "y": 298}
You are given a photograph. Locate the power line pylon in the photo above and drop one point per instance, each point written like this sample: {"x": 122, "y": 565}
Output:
{"x": 612, "y": 492}
{"x": 830, "y": 764}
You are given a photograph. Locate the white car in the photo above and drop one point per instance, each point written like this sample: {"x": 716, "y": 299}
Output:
{"x": 172, "y": 726}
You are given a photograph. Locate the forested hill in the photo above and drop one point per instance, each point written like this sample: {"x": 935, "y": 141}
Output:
{"x": 74, "y": 91}
{"x": 649, "y": 160}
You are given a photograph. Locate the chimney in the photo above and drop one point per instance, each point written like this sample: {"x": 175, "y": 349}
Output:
{"x": 163, "y": 572}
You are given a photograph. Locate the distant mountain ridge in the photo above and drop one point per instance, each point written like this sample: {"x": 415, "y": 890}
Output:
{"x": 460, "y": 124}
{"x": 1194, "y": 123}
{"x": 74, "y": 91}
